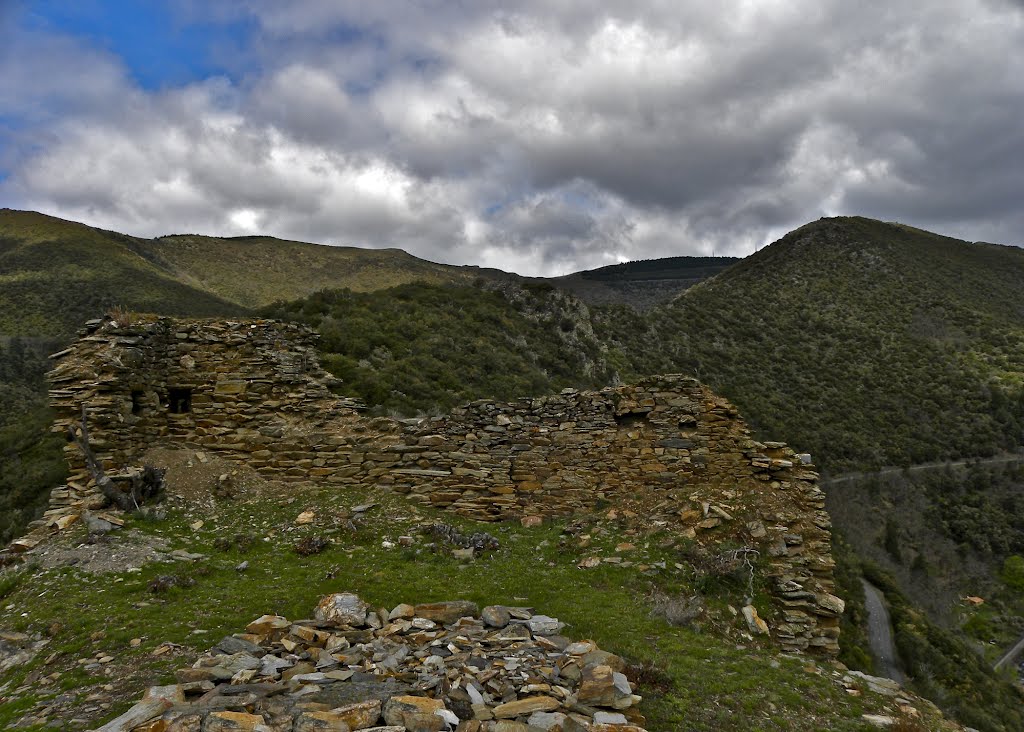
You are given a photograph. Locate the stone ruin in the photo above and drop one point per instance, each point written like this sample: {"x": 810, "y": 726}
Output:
{"x": 424, "y": 668}
{"x": 666, "y": 451}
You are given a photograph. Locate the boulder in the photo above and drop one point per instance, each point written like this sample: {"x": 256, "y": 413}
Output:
{"x": 342, "y": 608}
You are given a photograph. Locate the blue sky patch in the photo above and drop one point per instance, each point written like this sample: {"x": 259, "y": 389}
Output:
{"x": 158, "y": 44}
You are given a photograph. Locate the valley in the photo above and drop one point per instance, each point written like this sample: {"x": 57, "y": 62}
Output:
{"x": 894, "y": 356}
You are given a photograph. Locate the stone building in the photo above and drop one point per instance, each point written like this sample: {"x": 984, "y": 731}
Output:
{"x": 665, "y": 450}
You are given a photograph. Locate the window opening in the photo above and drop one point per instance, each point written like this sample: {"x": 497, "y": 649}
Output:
{"x": 631, "y": 419}
{"x": 180, "y": 401}
{"x": 137, "y": 395}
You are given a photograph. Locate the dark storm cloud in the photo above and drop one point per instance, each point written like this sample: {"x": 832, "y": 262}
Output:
{"x": 536, "y": 136}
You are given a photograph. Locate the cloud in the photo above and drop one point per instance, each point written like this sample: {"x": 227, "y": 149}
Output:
{"x": 542, "y": 137}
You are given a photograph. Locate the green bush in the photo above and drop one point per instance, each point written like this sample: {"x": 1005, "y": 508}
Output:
{"x": 1013, "y": 572}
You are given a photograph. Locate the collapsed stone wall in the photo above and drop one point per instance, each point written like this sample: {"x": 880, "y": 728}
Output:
{"x": 666, "y": 449}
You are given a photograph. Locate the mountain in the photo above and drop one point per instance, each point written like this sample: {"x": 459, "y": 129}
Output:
{"x": 863, "y": 342}
{"x": 257, "y": 270}
{"x": 642, "y": 284}
{"x": 55, "y": 274}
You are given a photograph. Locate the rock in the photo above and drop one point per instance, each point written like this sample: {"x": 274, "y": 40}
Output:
{"x": 508, "y": 725}
{"x": 600, "y": 686}
{"x": 495, "y": 616}
{"x": 97, "y": 525}
{"x": 878, "y": 720}
{"x": 755, "y": 623}
{"x": 547, "y": 721}
{"x": 267, "y": 623}
{"x": 597, "y": 657}
{"x": 525, "y": 706}
{"x": 231, "y": 722}
{"x": 342, "y": 608}
{"x": 415, "y": 713}
{"x": 228, "y": 666}
{"x": 829, "y": 604}
{"x": 676, "y": 443}
{"x": 447, "y": 613}
{"x": 877, "y": 684}
{"x": 64, "y": 522}
{"x": 610, "y": 718}
{"x": 544, "y": 625}
{"x": 306, "y": 517}
{"x": 402, "y": 611}
{"x": 184, "y": 556}
{"x": 581, "y": 648}
{"x": 361, "y": 715}
{"x": 24, "y": 544}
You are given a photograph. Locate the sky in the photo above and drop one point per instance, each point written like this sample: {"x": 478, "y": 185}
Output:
{"x": 536, "y": 136}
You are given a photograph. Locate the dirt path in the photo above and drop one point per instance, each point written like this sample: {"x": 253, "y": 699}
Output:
{"x": 880, "y": 634}
{"x": 1010, "y": 655}
{"x": 1016, "y": 457}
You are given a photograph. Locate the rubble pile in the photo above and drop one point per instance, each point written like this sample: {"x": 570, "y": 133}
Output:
{"x": 445, "y": 666}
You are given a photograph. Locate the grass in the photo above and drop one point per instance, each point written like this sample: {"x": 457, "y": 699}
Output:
{"x": 705, "y": 677}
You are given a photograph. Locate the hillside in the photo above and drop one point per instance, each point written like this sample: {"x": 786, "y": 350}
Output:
{"x": 428, "y": 348}
{"x": 256, "y": 270}
{"x": 862, "y": 342}
{"x": 181, "y": 583}
{"x": 55, "y": 275}
{"x": 642, "y": 284}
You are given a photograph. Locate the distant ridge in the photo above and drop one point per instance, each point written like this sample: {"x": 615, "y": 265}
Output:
{"x": 55, "y": 274}
{"x": 642, "y": 283}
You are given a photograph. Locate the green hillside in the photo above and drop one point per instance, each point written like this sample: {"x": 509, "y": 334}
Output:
{"x": 427, "y": 348}
{"x": 257, "y": 270}
{"x": 644, "y": 283}
{"x": 55, "y": 275}
{"x": 862, "y": 342}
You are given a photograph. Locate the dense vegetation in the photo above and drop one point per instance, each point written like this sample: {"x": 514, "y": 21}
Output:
{"x": 644, "y": 283}
{"x": 862, "y": 342}
{"x": 943, "y": 534}
{"x": 31, "y": 461}
{"x": 428, "y": 348}
{"x": 945, "y": 668}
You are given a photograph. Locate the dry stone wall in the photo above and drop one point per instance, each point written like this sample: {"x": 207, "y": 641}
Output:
{"x": 666, "y": 450}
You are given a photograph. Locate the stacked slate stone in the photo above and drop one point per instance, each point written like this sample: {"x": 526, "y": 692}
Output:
{"x": 257, "y": 395}
{"x": 427, "y": 668}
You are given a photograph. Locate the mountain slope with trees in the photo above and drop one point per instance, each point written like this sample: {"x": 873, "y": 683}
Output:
{"x": 863, "y": 342}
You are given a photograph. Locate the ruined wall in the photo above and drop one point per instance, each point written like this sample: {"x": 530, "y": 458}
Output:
{"x": 249, "y": 387}
{"x": 666, "y": 450}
